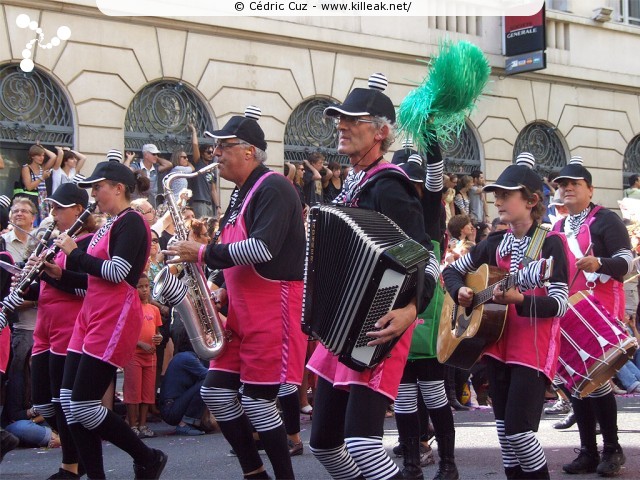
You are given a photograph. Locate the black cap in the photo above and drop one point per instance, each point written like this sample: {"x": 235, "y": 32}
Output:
{"x": 245, "y": 128}
{"x": 414, "y": 169}
{"x": 517, "y": 176}
{"x": 366, "y": 101}
{"x": 114, "y": 171}
{"x": 574, "y": 170}
{"x": 68, "y": 195}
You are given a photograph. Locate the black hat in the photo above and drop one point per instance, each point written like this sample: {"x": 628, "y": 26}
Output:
{"x": 574, "y": 170}
{"x": 114, "y": 171}
{"x": 401, "y": 156}
{"x": 245, "y": 128}
{"x": 517, "y": 176}
{"x": 414, "y": 169}
{"x": 68, "y": 195}
{"x": 366, "y": 101}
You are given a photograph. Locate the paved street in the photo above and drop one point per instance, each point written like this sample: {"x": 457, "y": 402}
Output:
{"x": 478, "y": 455}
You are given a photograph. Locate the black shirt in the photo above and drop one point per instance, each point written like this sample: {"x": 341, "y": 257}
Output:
{"x": 274, "y": 215}
{"x": 129, "y": 240}
{"x": 611, "y": 243}
{"x": 200, "y": 185}
{"x": 485, "y": 252}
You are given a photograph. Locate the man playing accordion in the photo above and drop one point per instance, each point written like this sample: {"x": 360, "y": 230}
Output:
{"x": 350, "y": 406}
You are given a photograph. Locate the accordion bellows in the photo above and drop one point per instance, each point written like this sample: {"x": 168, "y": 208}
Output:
{"x": 359, "y": 266}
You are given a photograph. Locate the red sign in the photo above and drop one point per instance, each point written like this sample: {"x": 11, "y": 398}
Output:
{"x": 524, "y": 34}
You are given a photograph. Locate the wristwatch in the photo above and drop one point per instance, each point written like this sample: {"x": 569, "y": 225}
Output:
{"x": 599, "y": 263}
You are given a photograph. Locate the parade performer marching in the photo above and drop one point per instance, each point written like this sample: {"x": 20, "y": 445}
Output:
{"x": 349, "y": 406}
{"x": 109, "y": 322}
{"x": 523, "y": 361}
{"x": 261, "y": 252}
{"x": 601, "y": 270}
{"x": 423, "y": 374}
{"x": 60, "y": 293}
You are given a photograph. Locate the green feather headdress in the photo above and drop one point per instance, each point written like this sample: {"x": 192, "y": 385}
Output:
{"x": 437, "y": 108}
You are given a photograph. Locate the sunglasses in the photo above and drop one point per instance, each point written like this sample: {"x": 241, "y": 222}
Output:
{"x": 210, "y": 152}
{"x": 183, "y": 156}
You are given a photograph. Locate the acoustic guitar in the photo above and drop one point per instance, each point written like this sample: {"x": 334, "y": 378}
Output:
{"x": 465, "y": 333}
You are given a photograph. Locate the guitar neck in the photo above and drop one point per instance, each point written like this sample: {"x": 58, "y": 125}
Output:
{"x": 483, "y": 296}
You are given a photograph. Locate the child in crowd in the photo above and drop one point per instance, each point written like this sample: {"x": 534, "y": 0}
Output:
{"x": 140, "y": 373}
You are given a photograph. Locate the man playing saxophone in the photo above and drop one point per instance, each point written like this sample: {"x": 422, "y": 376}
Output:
{"x": 263, "y": 289}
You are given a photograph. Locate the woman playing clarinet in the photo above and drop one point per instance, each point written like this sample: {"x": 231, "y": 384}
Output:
{"x": 108, "y": 325}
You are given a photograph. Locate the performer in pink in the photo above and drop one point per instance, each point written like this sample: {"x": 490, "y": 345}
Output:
{"x": 108, "y": 325}
{"x": 349, "y": 406}
{"x": 601, "y": 269}
{"x": 261, "y": 252}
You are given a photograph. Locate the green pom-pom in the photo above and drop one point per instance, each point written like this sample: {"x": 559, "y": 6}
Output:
{"x": 436, "y": 109}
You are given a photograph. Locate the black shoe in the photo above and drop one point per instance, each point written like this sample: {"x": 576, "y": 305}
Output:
{"x": 447, "y": 471}
{"x": 295, "y": 449}
{"x": 8, "y": 442}
{"x": 566, "y": 422}
{"x": 398, "y": 450}
{"x": 413, "y": 472}
{"x": 151, "y": 471}
{"x": 586, "y": 462}
{"x": 612, "y": 460}
{"x": 63, "y": 474}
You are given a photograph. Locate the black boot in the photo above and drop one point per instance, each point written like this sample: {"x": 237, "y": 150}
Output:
{"x": 586, "y": 462}
{"x": 612, "y": 460}
{"x": 513, "y": 472}
{"x": 541, "y": 474}
{"x": 450, "y": 388}
{"x": 411, "y": 463}
{"x": 447, "y": 469}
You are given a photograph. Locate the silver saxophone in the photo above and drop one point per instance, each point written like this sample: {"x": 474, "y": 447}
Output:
{"x": 190, "y": 296}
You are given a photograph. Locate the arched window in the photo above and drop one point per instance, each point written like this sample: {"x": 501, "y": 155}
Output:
{"x": 161, "y": 113}
{"x": 32, "y": 108}
{"x": 631, "y": 161}
{"x": 544, "y": 142}
{"x": 308, "y": 131}
{"x": 462, "y": 155}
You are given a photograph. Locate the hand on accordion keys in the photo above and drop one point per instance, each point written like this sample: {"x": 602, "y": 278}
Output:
{"x": 393, "y": 324}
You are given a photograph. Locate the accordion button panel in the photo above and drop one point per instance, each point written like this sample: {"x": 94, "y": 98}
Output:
{"x": 382, "y": 304}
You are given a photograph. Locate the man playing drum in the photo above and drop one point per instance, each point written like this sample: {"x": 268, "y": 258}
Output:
{"x": 602, "y": 270}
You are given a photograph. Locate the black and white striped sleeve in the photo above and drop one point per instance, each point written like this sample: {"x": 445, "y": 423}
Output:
{"x": 432, "y": 268}
{"x": 249, "y": 252}
{"x": 435, "y": 179}
{"x": 128, "y": 247}
{"x": 554, "y": 303}
{"x": 454, "y": 274}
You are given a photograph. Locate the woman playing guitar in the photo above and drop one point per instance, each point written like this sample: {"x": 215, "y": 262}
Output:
{"x": 530, "y": 341}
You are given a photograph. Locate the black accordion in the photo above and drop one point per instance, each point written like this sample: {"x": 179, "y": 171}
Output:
{"x": 359, "y": 266}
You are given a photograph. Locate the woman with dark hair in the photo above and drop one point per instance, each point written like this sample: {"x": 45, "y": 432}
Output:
{"x": 33, "y": 176}
{"x": 461, "y": 200}
{"x": 332, "y": 186}
{"x": 59, "y": 292}
{"x": 106, "y": 332}
{"x": 66, "y": 167}
{"x": 523, "y": 362}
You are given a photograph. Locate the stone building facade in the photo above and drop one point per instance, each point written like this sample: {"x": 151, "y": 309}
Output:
{"x": 122, "y": 75}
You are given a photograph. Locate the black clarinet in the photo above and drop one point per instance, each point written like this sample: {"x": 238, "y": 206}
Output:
{"x": 36, "y": 270}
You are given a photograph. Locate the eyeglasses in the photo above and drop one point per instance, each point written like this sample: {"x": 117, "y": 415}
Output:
{"x": 22, "y": 210}
{"x": 139, "y": 210}
{"x": 227, "y": 145}
{"x": 350, "y": 120}
{"x": 210, "y": 152}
